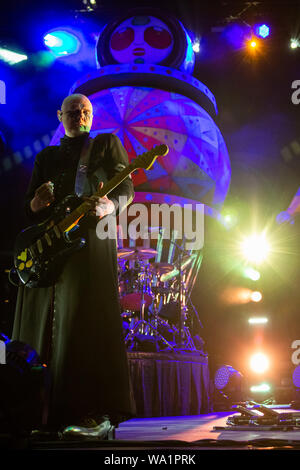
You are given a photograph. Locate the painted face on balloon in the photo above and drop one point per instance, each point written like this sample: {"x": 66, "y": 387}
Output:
{"x": 141, "y": 40}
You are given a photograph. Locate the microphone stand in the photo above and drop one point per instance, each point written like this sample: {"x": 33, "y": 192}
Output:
{"x": 179, "y": 309}
{"x": 179, "y": 276}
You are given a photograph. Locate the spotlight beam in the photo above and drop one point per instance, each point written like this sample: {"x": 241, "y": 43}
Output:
{"x": 11, "y": 57}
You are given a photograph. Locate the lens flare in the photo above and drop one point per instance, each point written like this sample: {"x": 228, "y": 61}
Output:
{"x": 252, "y": 274}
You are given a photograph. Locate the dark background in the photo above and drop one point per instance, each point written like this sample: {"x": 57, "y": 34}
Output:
{"x": 256, "y": 117}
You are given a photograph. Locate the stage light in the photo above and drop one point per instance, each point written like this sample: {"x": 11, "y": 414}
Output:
{"x": 296, "y": 377}
{"x": 255, "y": 248}
{"x": 236, "y": 34}
{"x": 90, "y": 5}
{"x": 253, "y": 45}
{"x": 62, "y": 42}
{"x": 256, "y": 296}
{"x": 230, "y": 218}
{"x": 259, "y": 363}
{"x": 262, "y": 30}
{"x": 261, "y": 388}
{"x": 11, "y": 57}
{"x": 294, "y": 43}
{"x": 240, "y": 295}
{"x": 196, "y": 46}
{"x": 226, "y": 377}
{"x": 257, "y": 321}
{"x": 228, "y": 387}
{"x": 252, "y": 274}
{"x": 2, "y": 97}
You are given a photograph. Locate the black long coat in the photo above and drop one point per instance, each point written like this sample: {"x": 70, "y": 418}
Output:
{"x": 75, "y": 325}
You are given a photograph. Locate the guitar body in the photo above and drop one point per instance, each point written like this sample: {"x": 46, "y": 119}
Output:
{"x": 41, "y": 250}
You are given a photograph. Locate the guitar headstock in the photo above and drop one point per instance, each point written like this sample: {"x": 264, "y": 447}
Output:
{"x": 146, "y": 159}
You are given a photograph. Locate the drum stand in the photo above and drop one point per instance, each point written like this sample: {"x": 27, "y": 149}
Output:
{"x": 145, "y": 329}
{"x": 182, "y": 308}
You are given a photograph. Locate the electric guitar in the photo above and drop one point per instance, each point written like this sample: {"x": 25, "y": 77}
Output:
{"x": 41, "y": 250}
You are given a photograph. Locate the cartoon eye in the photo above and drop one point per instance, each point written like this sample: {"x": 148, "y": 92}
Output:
{"x": 122, "y": 39}
{"x": 157, "y": 37}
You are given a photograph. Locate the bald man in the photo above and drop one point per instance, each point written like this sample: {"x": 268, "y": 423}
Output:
{"x": 75, "y": 324}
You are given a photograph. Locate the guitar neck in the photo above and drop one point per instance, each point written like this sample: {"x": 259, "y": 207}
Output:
{"x": 115, "y": 181}
{"x": 68, "y": 222}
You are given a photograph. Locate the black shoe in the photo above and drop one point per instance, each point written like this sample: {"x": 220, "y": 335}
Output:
{"x": 90, "y": 429}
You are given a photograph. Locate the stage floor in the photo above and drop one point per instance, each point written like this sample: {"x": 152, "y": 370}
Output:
{"x": 181, "y": 435}
{"x": 203, "y": 431}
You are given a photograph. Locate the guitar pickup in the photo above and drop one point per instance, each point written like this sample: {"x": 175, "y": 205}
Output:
{"x": 39, "y": 246}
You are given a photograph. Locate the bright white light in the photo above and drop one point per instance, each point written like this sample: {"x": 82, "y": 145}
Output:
{"x": 259, "y": 363}
{"x": 256, "y": 296}
{"x": 196, "y": 46}
{"x": 260, "y": 388}
{"x": 52, "y": 41}
{"x": 294, "y": 43}
{"x": 263, "y": 30}
{"x": 62, "y": 42}
{"x": 11, "y": 57}
{"x": 258, "y": 321}
{"x": 255, "y": 248}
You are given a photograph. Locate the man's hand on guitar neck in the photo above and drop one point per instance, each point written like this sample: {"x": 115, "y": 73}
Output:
{"x": 100, "y": 206}
{"x": 43, "y": 197}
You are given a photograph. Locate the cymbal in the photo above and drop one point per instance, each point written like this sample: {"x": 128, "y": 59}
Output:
{"x": 140, "y": 253}
{"x": 161, "y": 268}
{"x": 124, "y": 252}
{"x": 186, "y": 260}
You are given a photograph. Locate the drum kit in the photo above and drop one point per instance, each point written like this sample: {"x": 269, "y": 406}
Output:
{"x": 153, "y": 299}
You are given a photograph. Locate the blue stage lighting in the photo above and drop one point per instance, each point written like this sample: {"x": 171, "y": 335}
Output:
{"x": 262, "y": 30}
{"x": 62, "y": 42}
{"x": 228, "y": 388}
{"x": 226, "y": 376}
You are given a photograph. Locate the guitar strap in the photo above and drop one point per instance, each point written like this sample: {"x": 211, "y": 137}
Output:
{"x": 81, "y": 174}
